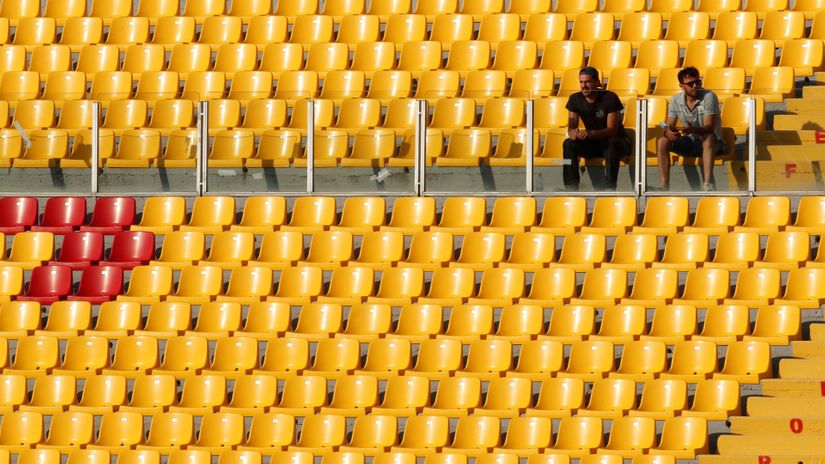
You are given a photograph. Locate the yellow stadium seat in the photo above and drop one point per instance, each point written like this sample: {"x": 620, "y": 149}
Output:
{"x": 399, "y": 286}
{"x": 166, "y": 319}
{"x": 219, "y": 432}
{"x": 279, "y": 250}
{"x": 11, "y": 284}
{"x": 672, "y": 323}
{"x": 418, "y": 322}
{"x": 51, "y": 394}
{"x": 756, "y": 287}
{"x": 803, "y": 55}
{"x": 336, "y": 358}
{"x": 542, "y": 27}
{"x": 662, "y": 399}
{"x": 487, "y": 359}
{"x": 630, "y": 436}
{"x": 732, "y": 26}
{"x": 538, "y": 359}
{"x": 684, "y": 251}
{"x": 437, "y": 359}
{"x": 302, "y": 395}
{"x": 705, "y": 287}
{"x": 506, "y": 397}
{"x": 633, "y": 252}
{"x": 404, "y": 395}
{"x": 275, "y": 363}
{"x": 79, "y": 32}
{"x": 265, "y": 320}
{"x": 715, "y": 400}
{"x": 19, "y": 318}
{"x": 151, "y": 395}
{"x": 639, "y": 27}
{"x": 181, "y": 249}
{"x": 15, "y": 12}
{"x": 230, "y": 250}
{"x": 173, "y": 30}
{"x": 592, "y": 27}
{"x": 311, "y": 214}
{"x": 451, "y": 28}
{"x": 101, "y": 395}
{"x": 14, "y": 392}
{"x": 582, "y": 252}
{"x": 746, "y": 362}
{"x": 248, "y": 284}
{"x": 530, "y": 251}
{"x": 475, "y": 435}
{"x": 292, "y": 10}
{"x": 692, "y": 361}
{"x": 622, "y": 323}
{"x": 715, "y": 216}
{"x": 353, "y": 395}
{"x": 201, "y": 395}
{"x": 403, "y": 28}
{"x": 735, "y": 251}
{"x": 610, "y": 399}
{"x": 455, "y": 397}
{"x": 367, "y": 321}
{"x": 558, "y": 398}
{"x": 423, "y": 435}
{"x": 133, "y": 357}
{"x": 329, "y": 250}
{"x": 371, "y": 436}
{"x": 84, "y": 357}
{"x": 393, "y": 87}
{"x": 251, "y": 395}
{"x": 350, "y": 285}
{"x": 234, "y": 357}
{"x": 162, "y": 214}
{"x": 802, "y": 288}
{"x": 578, "y": 436}
{"x": 526, "y": 436}
{"x": 34, "y": 356}
{"x": 752, "y": 54}
{"x": 20, "y": 431}
{"x": 610, "y": 55}
{"x": 481, "y": 251}
{"x": 782, "y": 26}
{"x": 321, "y": 434}
{"x": 706, "y": 54}
{"x": 683, "y": 438}
{"x": 126, "y": 31}
{"x": 589, "y": 361}
{"x": 89, "y": 455}
{"x": 381, "y": 250}
{"x": 68, "y": 431}
{"x": 310, "y": 29}
{"x": 776, "y": 325}
{"x": 269, "y": 433}
{"x": 183, "y": 357}
{"x": 766, "y": 214}
{"x": 298, "y": 285}
{"x": 724, "y": 324}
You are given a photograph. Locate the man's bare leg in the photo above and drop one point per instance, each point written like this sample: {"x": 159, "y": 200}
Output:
{"x": 663, "y": 155}
{"x": 708, "y": 149}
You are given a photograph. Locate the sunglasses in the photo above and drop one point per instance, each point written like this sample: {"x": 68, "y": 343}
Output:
{"x": 695, "y": 83}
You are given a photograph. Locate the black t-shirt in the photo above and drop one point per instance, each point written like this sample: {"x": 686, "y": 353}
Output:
{"x": 594, "y": 115}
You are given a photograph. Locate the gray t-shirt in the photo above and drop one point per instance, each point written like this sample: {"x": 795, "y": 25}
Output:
{"x": 707, "y": 104}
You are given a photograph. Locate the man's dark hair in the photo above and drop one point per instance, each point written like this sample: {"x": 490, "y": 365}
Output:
{"x": 690, "y": 71}
{"x": 590, "y": 71}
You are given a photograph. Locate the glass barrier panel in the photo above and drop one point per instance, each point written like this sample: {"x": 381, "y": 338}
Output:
{"x": 681, "y": 161}
{"x": 256, "y": 143}
{"x": 584, "y": 159}
{"x": 47, "y": 148}
{"x": 364, "y": 145}
{"x": 148, "y": 146}
{"x": 476, "y": 142}
{"x": 789, "y": 148}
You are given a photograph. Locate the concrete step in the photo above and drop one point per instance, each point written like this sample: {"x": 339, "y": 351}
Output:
{"x": 808, "y": 349}
{"x": 777, "y": 425}
{"x": 805, "y": 103}
{"x": 765, "y": 406}
{"x": 814, "y": 91}
{"x": 818, "y": 332}
{"x": 790, "y": 137}
{"x": 753, "y": 459}
{"x": 802, "y": 369}
{"x": 765, "y": 444}
{"x": 793, "y": 388}
{"x": 808, "y": 120}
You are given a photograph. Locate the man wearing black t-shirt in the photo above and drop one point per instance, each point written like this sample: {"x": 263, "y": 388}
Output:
{"x": 603, "y": 135}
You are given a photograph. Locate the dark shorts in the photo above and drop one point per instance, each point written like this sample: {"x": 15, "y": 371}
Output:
{"x": 692, "y": 147}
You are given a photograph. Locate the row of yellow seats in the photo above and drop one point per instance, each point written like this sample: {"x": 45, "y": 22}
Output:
{"x": 399, "y": 30}
{"x": 429, "y": 251}
{"x": 452, "y": 286}
{"x": 322, "y": 434}
{"x": 144, "y": 456}
{"x": 283, "y": 69}
{"x": 339, "y": 9}
{"x": 187, "y": 356}
{"x": 459, "y": 215}
{"x": 418, "y": 323}
{"x": 338, "y": 144}
{"x": 357, "y": 395}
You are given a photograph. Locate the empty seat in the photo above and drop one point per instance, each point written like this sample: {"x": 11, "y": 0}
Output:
{"x": 48, "y": 284}
{"x": 692, "y": 361}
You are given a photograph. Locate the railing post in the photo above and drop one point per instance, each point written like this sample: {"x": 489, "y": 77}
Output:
{"x": 310, "y": 146}
{"x": 641, "y": 146}
{"x": 752, "y": 145}
{"x": 95, "y": 162}
{"x": 420, "y": 148}
{"x": 529, "y": 146}
{"x": 202, "y": 151}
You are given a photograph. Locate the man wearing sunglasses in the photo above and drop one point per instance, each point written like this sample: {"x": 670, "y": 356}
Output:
{"x": 700, "y": 134}
{"x": 603, "y": 135}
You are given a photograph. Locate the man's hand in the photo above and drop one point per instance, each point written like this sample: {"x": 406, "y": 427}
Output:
{"x": 576, "y": 134}
{"x": 688, "y": 129}
{"x": 671, "y": 133}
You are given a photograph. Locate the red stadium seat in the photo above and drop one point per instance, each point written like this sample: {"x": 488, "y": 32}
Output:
{"x": 17, "y": 214}
{"x": 111, "y": 215}
{"x": 131, "y": 248}
{"x": 80, "y": 250}
{"x": 48, "y": 284}
{"x": 99, "y": 284}
{"x": 62, "y": 215}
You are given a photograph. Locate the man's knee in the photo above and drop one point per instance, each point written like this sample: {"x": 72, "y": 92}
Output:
{"x": 663, "y": 144}
{"x": 708, "y": 142}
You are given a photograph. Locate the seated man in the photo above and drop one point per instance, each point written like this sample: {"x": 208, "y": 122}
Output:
{"x": 701, "y": 131}
{"x": 603, "y": 135}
